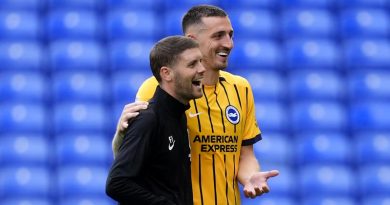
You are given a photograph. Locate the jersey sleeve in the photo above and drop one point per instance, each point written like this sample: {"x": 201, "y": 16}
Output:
{"x": 252, "y": 132}
{"x": 147, "y": 89}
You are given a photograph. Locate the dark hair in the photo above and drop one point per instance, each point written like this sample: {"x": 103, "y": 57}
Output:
{"x": 195, "y": 14}
{"x": 166, "y": 51}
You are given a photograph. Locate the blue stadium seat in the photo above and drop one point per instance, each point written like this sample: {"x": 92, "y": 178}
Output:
{"x": 76, "y": 4}
{"x": 79, "y": 86}
{"x": 265, "y": 149}
{"x": 172, "y": 22}
{"x": 364, "y": 23}
{"x": 79, "y": 117}
{"x": 77, "y": 55}
{"x": 316, "y": 85}
{"x": 376, "y": 199}
{"x": 366, "y": 116}
{"x": 323, "y": 148}
{"x": 312, "y": 54}
{"x": 367, "y": 53}
{"x": 73, "y": 24}
{"x": 298, "y": 23}
{"x": 130, "y": 55}
{"x": 24, "y": 149}
{"x": 329, "y": 200}
{"x": 23, "y": 118}
{"x": 307, "y": 3}
{"x": 245, "y": 4}
{"x": 170, "y": 4}
{"x": 372, "y": 147}
{"x": 131, "y": 4}
{"x": 253, "y": 23}
{"x": 125, "y": 85}
{"x": 19, "y": 25}
{"x": 131, "y": 24}
{"x": 271, "y": 115}
{"x": 374, "y": 180}
{"x": 26, "y": 181}
{"x": 318, "y": 116}
{"x": 80, "y": 149}
{"x": 21, "y": 55}
{"x": 266, "y": 84}
{"x": 369, "y": 84}
{"x": 283, "y": 187}
{"x": 362, "y": 3}
{"x": 23, "y": 4}
{"x": 26, "y": 201}
{"x": 99, "y": 200}
{"x": 255, "y": 54}
{"x": 327, "y": 180}
{"x": 81, "y": 181}
{"x": 268, "y": 201}
{"x": 23, "y": 86}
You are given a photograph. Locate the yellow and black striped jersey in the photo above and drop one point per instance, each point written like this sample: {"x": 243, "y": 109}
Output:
{"x": 219, "y": 123}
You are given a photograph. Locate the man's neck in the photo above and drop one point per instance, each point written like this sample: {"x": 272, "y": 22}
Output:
{"x": 210, "y": 77}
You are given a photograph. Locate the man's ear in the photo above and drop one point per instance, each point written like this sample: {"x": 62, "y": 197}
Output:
{"x": 190, "y": 35}
{"x": 166, "y": 73}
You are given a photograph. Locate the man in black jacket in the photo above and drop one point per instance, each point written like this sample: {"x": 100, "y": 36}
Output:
{"x": 153, "y": 163}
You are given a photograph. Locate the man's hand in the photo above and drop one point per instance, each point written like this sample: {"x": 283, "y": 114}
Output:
{"x": 130, "y": 111}
{"x": 257, "y": 183}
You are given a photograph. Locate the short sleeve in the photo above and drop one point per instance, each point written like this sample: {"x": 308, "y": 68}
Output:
{"x": 252, "y": 132}
{"x": 147, "y": 89}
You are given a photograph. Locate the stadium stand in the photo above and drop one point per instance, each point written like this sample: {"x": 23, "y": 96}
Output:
{"x": 319, "y": 70}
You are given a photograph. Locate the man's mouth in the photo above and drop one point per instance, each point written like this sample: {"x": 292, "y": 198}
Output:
{"x": 223, "y": 54}
{"x": 196, "y": 82}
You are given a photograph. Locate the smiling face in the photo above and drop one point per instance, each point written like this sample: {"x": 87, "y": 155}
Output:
{"x": 187, "y": 74}
{"x": 215, "y": 38}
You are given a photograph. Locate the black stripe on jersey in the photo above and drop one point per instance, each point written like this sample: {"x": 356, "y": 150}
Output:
{"x": 226, "y": 183}
{"x": 215, "y": 182}
{"x": 208, "y": 109}
{"x": 246, "y": 97}
{"x": 238, "y": 95}
{"x": 216, "y": 97}
{"x": 234, "y": 179}
{"x": 200, "y": 179}
{"x": 252, "y": 140}
{"x": 196, "y": 110}
{"x": 227, "y": 96}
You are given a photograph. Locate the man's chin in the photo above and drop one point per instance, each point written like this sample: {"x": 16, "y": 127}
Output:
{"x": 222, "y": 66}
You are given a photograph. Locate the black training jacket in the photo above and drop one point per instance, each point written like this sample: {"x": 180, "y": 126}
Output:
{"x": 153, "y": 163}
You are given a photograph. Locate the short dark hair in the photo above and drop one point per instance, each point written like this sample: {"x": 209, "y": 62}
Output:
{"x": 195, "y": 14}
{"x": 166, "y": 51}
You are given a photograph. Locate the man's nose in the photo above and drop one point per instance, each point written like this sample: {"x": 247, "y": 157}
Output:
{"x": 228, "y": 42}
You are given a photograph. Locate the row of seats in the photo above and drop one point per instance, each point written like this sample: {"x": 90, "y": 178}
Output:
{"x": 40, "y": 182}
{"x": 248, "y": 54}
{"x": 298, "y": 85}
{"x": 307, "y": 148}
{"x": 77, "y": 148}
{"x": 168, "y": 4}
{"x": 272, "y": 115}
{"x": 145, "y": 24}
{"x": 89, "y": 181}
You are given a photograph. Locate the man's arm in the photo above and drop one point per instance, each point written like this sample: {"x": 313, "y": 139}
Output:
{"x": 130, "y": 111}
{"x": 145, "y": 92}
{"x": 125, "y": 182}
{"x": 249, "y": 174}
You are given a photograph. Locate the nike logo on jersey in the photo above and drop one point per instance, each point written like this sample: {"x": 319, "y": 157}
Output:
{"x": 191, "y": 115}
{"x": 171, "y": 143}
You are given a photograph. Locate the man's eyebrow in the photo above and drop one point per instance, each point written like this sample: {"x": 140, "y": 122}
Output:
{"x": 192, "y": 62}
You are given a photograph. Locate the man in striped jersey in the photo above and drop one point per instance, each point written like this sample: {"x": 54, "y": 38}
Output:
{"x": 222, "y": 125}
